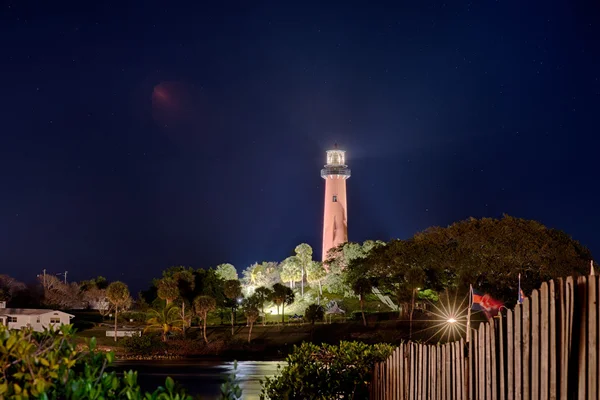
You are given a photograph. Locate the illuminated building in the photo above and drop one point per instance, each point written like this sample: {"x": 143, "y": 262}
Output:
{"x": 335, "y": 220}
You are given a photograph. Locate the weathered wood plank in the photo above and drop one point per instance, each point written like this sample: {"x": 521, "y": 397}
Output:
{"x": 518, "y": 352}
{"x": 502, "y": 358}
{"x": 493, "y": 357}
{"x": 481, "y": 361}
{"x": 472, "y": 365}
{"x": 582, "y": 353}
{"x": 401, "y": 372}
{"x": 461, "y": 369}
{"x": 448, "y": 371}
{"x": 510, "y": 359}
{"x": 564, "y": 344}
{"x": 421, "y": 371}
{"x": 488, "y": 362}
{"x": 592, "y": 337}
{"x": 545, "y": 359}
{"x": 535, "y": 346}
{"x": 553, "y": 329}
{"x": 526, "y": 348}
{"x": 411, "y": 392}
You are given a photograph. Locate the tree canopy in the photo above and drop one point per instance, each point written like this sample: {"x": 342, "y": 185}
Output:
{"x": 226, "y": 272}
{"x": 487, "y": 253}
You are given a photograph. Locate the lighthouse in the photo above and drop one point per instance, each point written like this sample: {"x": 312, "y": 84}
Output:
{"x": 335, "y": 219}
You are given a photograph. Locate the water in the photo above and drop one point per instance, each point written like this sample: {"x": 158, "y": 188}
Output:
{"x": 202, "y": 377}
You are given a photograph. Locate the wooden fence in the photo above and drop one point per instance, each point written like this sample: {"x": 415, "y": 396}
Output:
{"x": 545, "y": 348}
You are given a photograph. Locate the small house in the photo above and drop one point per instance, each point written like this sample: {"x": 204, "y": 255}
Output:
{"x": 36, "y": 318}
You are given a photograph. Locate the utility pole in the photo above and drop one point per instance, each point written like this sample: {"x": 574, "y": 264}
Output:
{"x": 64, "y": 274}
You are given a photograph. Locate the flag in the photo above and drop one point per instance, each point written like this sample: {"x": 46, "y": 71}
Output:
{"x": 485, "y": 302}
{"x": 521, "y": 295}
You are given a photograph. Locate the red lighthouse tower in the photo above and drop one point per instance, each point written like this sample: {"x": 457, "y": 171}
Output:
{"x": 335, "y": 220}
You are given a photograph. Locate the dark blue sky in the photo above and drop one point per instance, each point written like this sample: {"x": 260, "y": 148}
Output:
{"x": 139, "y": 135}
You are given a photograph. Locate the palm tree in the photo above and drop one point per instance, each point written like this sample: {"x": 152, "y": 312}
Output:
{"x": 282, "y": 295}
{"x": 304, "y": 257}
{"x": 262, "y": 295}
{"x": 361, "y": 287}
{"x": 316, "y": 273}
{"x": 118, "y": 295}
{"x": 291, "y": 271}
{"x": 251, "y": 316}
{"x": 164, "y": 320}
{"x": 203, "y": 305}
{"x": 167, "y": 289}
{"x": 233, "y": 291}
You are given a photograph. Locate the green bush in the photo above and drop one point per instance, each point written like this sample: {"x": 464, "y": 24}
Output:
{"x": 47, "y": 365}
{"x": 146, "y": 344}
{"x": 326, "y": 372}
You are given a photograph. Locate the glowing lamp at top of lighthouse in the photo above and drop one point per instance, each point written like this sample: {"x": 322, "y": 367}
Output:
{"x": 336, "y": 165}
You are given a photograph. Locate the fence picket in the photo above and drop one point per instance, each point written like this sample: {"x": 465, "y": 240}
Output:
{"x": 493, "y": 367}
{"x": 518, "y": 379}
{"x": 510, "y": 363}
{"x": 592, "y": 338}
{"x": 535, "y": 345}
{"x": 544, "y": 341}
{"x": 582, "y": 353}
{"x": 553, "y": 343}
{"x": 502, "y": 359}
{"x": 526, "y": 348}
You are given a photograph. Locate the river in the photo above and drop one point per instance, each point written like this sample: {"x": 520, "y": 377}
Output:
{"x": 202, "y": 377}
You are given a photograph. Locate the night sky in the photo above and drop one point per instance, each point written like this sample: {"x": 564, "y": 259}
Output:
{"x": 139, "y": 135}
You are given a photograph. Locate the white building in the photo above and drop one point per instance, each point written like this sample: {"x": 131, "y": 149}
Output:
{"x": 37, "y": 319}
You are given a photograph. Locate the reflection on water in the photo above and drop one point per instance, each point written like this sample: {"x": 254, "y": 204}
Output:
{"x": 202, "y": 377}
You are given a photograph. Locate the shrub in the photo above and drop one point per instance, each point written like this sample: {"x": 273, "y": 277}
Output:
{"x": 314, "y": 313}
{"x": 144, "y": 344}
{"x": 47, "y": 365}
{"x": 326, "y": 372}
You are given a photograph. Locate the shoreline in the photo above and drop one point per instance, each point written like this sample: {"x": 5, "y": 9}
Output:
{"x": 130, "y": 358}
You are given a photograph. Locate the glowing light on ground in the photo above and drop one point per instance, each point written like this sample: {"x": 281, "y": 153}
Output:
{"x": 448, "y": 320}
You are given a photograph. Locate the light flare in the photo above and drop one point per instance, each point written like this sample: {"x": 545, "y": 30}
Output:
{"x": 448, "y": 319}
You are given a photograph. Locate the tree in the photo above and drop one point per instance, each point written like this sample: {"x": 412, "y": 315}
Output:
{"x": 60, "y": 294}
{"x": 203, "y": 305}
{"x": 227, "y": 272}
{"x": 313, "y": 313}
{"x": 164, "y": 320}
{"x": 10, "y": 287}
{"x": 233, "y": 291}
{"x": 264, "y": 274}
{"x": 282, "y": 295}
{"x": 339, "y": 261}
{"x": 490, "y": 254}
{"x": 291, "y": 270}
{"x": 168, "y": 289}
{"x": 251, "y": 312}
{"x": 185, "y": 281}
{"x": 304, "y": 259}
{"x": 361, "y": 287}
{"x": 263, "y": 295}
{"x": 315, "y": 273}
{"x": 118, "y": 295}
